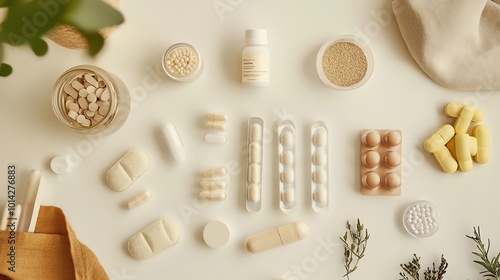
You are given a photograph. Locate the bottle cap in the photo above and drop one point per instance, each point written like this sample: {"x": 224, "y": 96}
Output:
{"x": 256, "y": 36}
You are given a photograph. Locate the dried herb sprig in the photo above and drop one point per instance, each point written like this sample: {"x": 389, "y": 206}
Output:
{"x": 492, "y": 266}
{"x": 354, "y": 250}
{"x": 413, "y": 270}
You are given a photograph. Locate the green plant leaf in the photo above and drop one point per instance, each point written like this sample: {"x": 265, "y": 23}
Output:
{"x": 95, "y": 41}
{"x": 92, "y": 15}
{"x": 39, "y": 46}
{"x": 5, "y": 70}
{"x": 26, "y": 20}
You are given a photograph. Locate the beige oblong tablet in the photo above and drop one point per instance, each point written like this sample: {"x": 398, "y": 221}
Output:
{"x": 276, "y": 237}
{"x": 482, "y": 134}
{"x": 439, "y": 138}
{"x": 153, "y": 239}
{"x": 127, "y": 170}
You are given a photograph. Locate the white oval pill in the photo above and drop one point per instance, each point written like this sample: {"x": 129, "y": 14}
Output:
{"x": 254, "y": 173}
{"x": 253, "y": 193}
{"x": 153, "y": 239}
{"x": 254, "y": 153}
{"x": 286, "y": 158}
{"x": 320, "y": 139}
{"x": 286, "y": 139}
{"x": 216, "y": 234}
{"x": 288, "y": 176}
{"x": 319, "y": 176}
{"x": 138, "y": 199}
{"x": 215, "y": 138}
{"x": 255, "y": 132}
{"x": 320, "y": 195}
{"x": 289, "y": 196}
{"x": 319, "y": 158}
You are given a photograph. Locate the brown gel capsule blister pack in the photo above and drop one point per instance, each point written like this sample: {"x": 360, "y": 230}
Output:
{"x": 380, "y": 162}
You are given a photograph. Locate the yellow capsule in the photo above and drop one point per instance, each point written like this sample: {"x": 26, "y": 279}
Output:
{"x": 463, "y": 121}
{"x": 472, "y": 142}
{"x": 439, "y": 138}
{"x": 453, "y": 109}
{"x": 482, "y": 134}
{"x": 445, "y": 160}
{"x": 462, "y": 149}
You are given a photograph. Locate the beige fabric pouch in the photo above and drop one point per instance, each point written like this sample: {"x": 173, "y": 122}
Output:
{"x": 51, "y": 252}
{"x": 455, "y": 42}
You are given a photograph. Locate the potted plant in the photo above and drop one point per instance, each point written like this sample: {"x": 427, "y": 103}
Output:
{"x": 26, "y": 22}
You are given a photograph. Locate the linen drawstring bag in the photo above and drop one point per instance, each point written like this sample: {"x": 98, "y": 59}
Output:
{"x": 52, "y": 252}
{"x": 455, "y": 42}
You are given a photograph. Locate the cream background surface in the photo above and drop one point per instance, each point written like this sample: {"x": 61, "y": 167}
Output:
{"x": 398, "y": 96}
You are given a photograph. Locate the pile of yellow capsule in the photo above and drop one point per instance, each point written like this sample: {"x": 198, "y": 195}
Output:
{"x": 452, "y": 147}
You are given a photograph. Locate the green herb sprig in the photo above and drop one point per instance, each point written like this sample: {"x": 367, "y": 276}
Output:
{"x": 354, "y": 242}
{"x": 492, "y": 267}
{"x": 413, "y": 270}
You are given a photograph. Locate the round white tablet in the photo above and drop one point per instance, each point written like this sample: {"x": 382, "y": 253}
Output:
{"x": 59, "y": 165}
{"x": 216, "y": 234}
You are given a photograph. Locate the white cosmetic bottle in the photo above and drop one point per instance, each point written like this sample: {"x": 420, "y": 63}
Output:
{"x": 255, "y": 59}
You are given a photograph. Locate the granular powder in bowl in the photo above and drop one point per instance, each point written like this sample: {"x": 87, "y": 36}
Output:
{"x": 344, "y": 64}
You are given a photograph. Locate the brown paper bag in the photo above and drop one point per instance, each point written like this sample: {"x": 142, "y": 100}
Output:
{"x": 51, "y": 252}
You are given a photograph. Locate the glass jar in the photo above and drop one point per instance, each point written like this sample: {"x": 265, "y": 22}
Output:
{"x": 182, "y": 63}
{"x": 98, "y": 102}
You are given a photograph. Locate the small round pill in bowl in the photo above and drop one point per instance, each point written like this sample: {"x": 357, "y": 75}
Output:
{"x": 421, "y": 219}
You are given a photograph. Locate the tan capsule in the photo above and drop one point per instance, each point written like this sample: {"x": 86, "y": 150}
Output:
{"x": 446, "y": 160}
{"x": 138, "y": 199}
{"x": 254, "y": 153}
{"x": 253, "y": 193}
{"x": 453, "y": 109}
{"x": 215, "y": 117}
{"x": 286, "y": 158}
{"x": 214, "y": 172}
{"x": 254, "y": 173}
{"x": 288, "y": 176}
{"x": 320, "y": 139}
{"x": 462, "y": 149}
{"x": 255, "y": 133}
{"x": 319, "y": 177}
{"x": 215, "y": 125}
{"x": 319, "y": 158}
{"x": 288, "y": 196}
{"x": 276, "y": 237}
{"x": 213, "y": 184}
{"x": 482, "y": 134}
{"x": 463, "y": 121}
{"x": 286, "y": 139}
{"x": 212, "y": 195}
{"x": 439, "y": 138}
{"x": 105, "y": 95}
{"x": 76, "y": 85}
{"x": 320, "y": 195}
